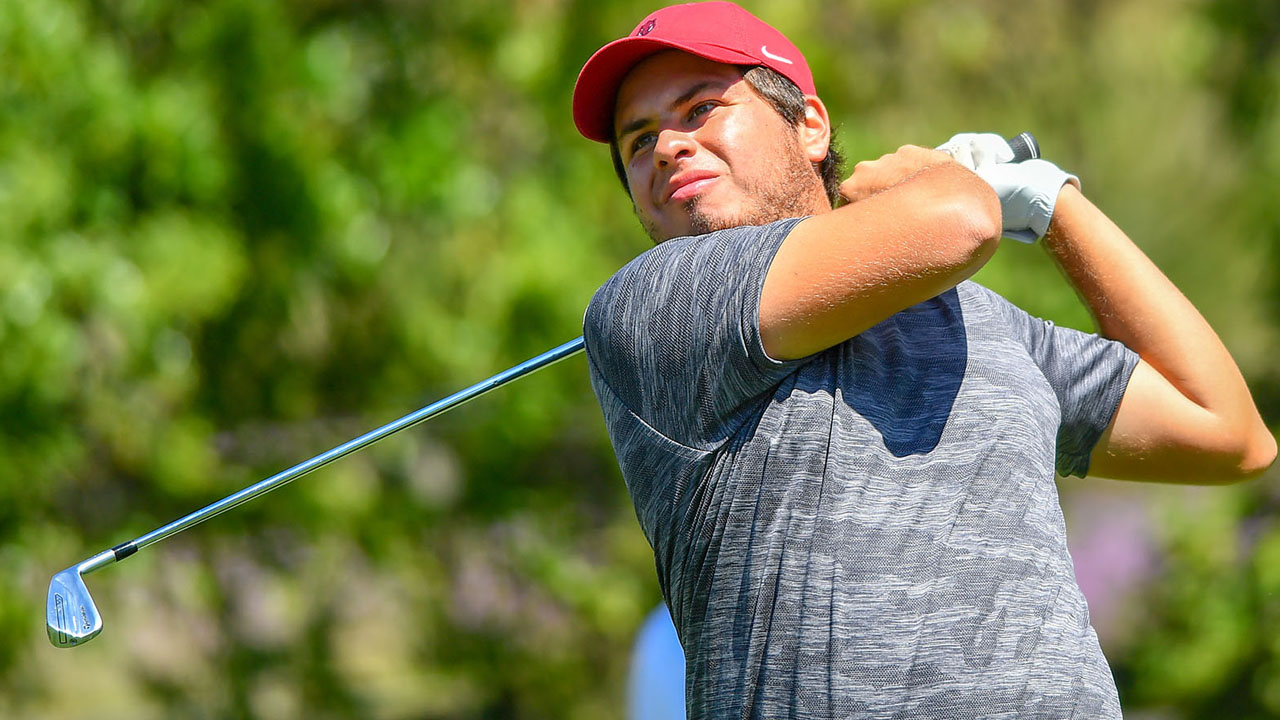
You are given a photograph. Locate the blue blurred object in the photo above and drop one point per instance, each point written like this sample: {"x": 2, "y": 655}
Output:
{"x": 655, "y": 688}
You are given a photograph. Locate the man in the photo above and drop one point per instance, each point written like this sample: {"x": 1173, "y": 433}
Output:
{"x": 842, "y": 452}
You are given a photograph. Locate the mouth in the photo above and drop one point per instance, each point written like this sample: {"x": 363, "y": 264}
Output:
{"x": 688, "y": 185}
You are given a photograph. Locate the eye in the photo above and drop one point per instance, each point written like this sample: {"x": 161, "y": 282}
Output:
{"x": 701, "y": 108}
{"x": 642, "y": 141}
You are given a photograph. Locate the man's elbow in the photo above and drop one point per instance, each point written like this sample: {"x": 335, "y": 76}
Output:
{"x": 977, "y": 216}
{"x": 959, "y": 212}
{"x": 1252, "y": 456}
{"x": 1259, "y": 455}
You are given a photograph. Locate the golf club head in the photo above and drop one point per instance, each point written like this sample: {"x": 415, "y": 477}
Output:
{"x": 71, "y": 617}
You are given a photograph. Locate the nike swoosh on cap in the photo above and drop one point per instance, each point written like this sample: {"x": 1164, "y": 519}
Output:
{"x": 765, "y": 51}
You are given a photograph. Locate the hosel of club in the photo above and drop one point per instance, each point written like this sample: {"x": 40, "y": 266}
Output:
{"x": 104, "y": 558}
{"x": 107, "y": 557}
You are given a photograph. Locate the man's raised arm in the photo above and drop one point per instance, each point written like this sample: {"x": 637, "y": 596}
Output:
{"x": 1187, "y": 415}
{"x": 917, "y": 224}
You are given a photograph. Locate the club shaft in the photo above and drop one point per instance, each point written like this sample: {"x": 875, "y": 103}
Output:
{"x": 546, "y": 359}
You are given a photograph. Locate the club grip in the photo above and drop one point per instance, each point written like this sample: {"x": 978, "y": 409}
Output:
{"x": 1024, "y": 147}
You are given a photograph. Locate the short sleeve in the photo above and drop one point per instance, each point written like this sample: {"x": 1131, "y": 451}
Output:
{"x": 675, "y": 334}
{"x": 1088, "y": 373}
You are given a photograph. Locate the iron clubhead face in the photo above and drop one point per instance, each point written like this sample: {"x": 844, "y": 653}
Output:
{"x": 71, "y": 617}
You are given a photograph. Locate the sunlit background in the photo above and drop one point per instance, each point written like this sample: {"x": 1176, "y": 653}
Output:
{"x": 234, "y": 233}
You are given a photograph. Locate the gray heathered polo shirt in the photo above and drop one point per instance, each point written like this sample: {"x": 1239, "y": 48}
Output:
{"x": 870, "y": 532}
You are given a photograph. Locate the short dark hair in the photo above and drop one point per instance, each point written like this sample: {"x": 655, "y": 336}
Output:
{"x": 787, "y": 100}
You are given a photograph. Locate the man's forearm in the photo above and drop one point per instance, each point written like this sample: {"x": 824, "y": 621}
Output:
{"x": 1132, "y": 301}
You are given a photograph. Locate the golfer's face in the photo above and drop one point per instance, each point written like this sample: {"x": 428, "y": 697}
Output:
{"x": 700, "y": 147}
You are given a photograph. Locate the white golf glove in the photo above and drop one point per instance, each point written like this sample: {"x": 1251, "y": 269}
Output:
{"x": 974, "y": 150}
{"x": 1027, "y": 190}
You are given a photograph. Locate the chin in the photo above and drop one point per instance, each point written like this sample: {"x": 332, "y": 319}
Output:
{"x": 700, "y": 218}
{"x": 704, "y": 218}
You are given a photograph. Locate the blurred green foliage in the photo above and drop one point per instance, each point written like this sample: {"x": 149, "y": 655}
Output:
{"x": 234, "y": 233}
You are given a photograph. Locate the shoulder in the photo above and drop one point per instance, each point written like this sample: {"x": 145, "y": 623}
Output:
{"x": 674, "y": 335}
{"x": 683, "y": 266}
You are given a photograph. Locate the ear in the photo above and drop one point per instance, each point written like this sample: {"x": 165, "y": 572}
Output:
{"x": 815, "y": 129}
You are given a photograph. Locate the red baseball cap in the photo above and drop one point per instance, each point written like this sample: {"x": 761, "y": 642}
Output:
{"x": 718, "y": 31}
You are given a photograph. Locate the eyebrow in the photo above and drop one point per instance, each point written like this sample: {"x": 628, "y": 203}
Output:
{"x": 639, "y": 123}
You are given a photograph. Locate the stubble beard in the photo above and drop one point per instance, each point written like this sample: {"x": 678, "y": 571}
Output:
{"x": 785, "y": 194}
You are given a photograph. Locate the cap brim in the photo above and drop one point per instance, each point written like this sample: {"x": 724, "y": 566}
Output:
{"x": 596, "y": 92}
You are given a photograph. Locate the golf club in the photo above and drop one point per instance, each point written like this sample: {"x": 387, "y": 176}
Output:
{"x": 73, "y": 619}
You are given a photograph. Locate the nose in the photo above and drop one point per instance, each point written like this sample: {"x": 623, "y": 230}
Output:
{"x": 672, "y": 145}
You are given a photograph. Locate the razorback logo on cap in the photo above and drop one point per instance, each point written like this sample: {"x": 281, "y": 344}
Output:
{"x": 646, "y": 28}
